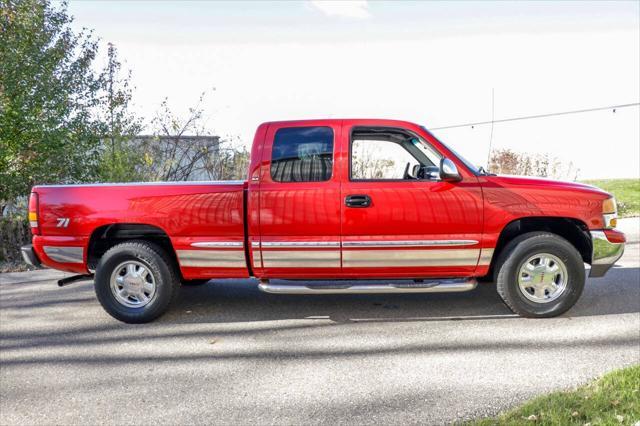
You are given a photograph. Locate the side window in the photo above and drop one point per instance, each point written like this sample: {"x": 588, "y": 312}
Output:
{"x": 373, "y": 159}
{"x": 302, "y": 154}
{"x": 381, "y": 155}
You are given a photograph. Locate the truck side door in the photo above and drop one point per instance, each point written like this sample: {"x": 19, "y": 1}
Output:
{"x": 299, "y": 201}
{"x": 399, "y": 219}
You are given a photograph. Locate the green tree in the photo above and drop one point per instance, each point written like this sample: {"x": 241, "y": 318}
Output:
{"x": 121, "y": 160}
{"x": 48, "y": 97}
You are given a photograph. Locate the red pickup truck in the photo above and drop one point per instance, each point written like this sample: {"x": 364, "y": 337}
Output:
{"x": 339, "y": 200}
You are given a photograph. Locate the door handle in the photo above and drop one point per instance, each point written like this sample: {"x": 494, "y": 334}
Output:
{"x": 358, "y": 201}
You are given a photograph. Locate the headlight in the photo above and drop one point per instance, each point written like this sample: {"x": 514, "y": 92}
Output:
{"x": 610, "y": 213}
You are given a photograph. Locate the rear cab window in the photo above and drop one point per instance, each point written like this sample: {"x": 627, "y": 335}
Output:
{"x": 302, "y": 154}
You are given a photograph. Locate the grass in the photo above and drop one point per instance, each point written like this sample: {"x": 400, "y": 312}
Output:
{"x": 626, "y": 191}
{"x": 614, "y": 399}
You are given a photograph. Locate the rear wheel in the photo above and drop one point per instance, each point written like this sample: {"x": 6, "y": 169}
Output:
{"x": 135, "y": 281}
{"x": 540, "y": 275}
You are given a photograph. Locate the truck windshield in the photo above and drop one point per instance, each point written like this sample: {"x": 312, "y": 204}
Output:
{"x": 466, "y": 162}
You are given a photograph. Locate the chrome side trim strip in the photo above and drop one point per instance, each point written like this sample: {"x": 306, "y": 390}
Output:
{"x": 428, "y": 287}
{"x": 64, "y": 254}
{"x": 409, "y": 258}
{"x": 300, "y": 244}
{"x": 212, "y": 258}
{"x": 409, "y": 243}
{"x": 486, "y": 254}
{"x": 365, "y": 244}
{"x": 218, "y": 244}
{"x": 255, "y": 244}
{"x": 301, "y": 259}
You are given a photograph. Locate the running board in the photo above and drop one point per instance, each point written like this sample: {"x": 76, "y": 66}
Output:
{"x": 442, "y": 286}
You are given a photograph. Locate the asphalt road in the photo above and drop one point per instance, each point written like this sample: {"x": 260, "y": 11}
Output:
{"x": 227, "y": 353}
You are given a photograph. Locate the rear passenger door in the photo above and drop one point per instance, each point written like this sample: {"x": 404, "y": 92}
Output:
{"x": 299, "y": 208}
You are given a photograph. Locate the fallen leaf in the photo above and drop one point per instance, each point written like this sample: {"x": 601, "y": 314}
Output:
{"x": 533, "y": 418}
{"x": 615, "y": 402}
{"x": 619, "y": 418}
{"x": 575, "y": 414}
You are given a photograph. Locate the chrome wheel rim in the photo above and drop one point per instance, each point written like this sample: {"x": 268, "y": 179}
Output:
{"x": 132, "y": 284}
{"x": 542, "y": 278}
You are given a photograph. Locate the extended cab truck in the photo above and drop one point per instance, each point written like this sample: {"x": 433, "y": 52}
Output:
{"x": 332, "y": 200}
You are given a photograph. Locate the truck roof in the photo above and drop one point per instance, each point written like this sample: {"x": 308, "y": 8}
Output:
{"x": 368, "y": 121}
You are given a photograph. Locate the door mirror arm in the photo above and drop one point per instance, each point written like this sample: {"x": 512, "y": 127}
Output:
{"x": 429, "y": 173}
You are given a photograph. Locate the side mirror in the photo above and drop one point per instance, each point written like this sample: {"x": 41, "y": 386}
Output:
{"x": 448, "y": 171}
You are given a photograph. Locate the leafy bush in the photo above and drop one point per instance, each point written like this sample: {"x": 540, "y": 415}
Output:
{"x": 509, "y": 162}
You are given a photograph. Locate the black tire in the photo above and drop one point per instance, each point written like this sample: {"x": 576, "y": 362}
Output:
{"x": 194, "y": 283}
{"x": 159, "y": 266}
{"x": 517, "y": 252}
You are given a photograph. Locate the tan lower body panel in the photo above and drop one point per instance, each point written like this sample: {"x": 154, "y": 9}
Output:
{"x": 64, "y": 254}
{"x": 212, "y": 258}
{"x": 408, "y": 258}
{"x": 351, "y": 258}
{"x": 301, "y": 259}
{"x": 257, "y": 259}
{"x": 486, "y": 254}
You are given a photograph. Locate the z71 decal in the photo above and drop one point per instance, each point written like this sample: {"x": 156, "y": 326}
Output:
{"x": 63, "y": 222}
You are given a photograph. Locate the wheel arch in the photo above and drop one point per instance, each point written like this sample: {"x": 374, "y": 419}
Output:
{"x": 573, "y": 230}
{"x": 106, "y": 236}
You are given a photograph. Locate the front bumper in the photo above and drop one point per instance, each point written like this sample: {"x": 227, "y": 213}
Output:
{"x": 605, "y": 252}
{"x": 29, "y": 255}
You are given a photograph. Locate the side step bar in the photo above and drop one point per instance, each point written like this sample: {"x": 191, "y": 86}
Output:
{"x": 73, "y": 279}
{"x": 442, "y": 286}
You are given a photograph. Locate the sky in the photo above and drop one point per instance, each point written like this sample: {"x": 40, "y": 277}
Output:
{"x": 432, "y": 63}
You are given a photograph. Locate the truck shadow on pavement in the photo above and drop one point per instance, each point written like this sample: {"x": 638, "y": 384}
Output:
{"x": 43, "y": 324}
{"x": 240, "y": 300}
{"x": 230, "y": 301}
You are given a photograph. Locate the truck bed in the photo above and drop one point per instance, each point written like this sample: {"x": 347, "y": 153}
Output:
{"x": 203, "y": 220}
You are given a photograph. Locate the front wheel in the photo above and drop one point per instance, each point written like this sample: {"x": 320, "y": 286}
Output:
{"x": 135, "y": 281}
{"x": 540, "y": 275}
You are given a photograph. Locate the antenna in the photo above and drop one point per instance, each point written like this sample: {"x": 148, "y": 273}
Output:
{"x": 493, "y": 110}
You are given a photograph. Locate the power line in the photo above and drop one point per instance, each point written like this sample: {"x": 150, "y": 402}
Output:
{"x": 529, "y": 117}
